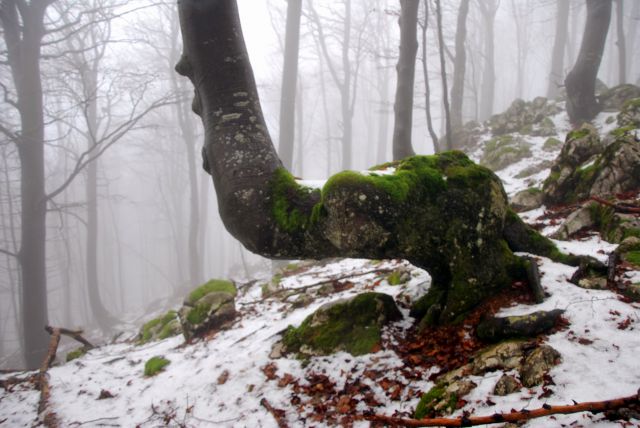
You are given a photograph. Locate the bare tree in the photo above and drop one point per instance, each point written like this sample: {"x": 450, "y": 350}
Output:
{"x": 406, "y": 67}
{"x": 488, "y": 8}
{"x": 289, "y": 82}
{"x": 459, "y": 66}
{"x": 424, "y": 24}
{"x": 443, "y": 74}
{"x": 582, "y": 105}
{"x": 621, "y": 42}
{"x": 556, "y": 77}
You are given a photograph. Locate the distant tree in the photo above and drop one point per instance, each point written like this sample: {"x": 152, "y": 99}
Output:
{"x": 621, "y": 43}
{"x": 582, "y": 105}
{"x": 556, "y": 76}
{"x": 459, "y": 66}
{"x": 289, "y": 82}
{"x": 406, "y": 68}
{"x": 443, "y": 74}
{"x": 424, "y": 24}
{"x": 488, "y": 8}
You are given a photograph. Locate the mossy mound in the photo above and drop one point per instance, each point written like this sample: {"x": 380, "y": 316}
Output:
{"x": 209, "y": 307}
{"x": 76, "y": 353}
{"x": 614, "y": 227}
{"x": 155, "y": 365}
{"x": 443, "y": 213}
{"x": 160, "y": 328}
{"x": 503, "y": 151}
{"x": 526, "y": 118}
{"x": 551, "y": 144}
{"x": 352, "y": 325}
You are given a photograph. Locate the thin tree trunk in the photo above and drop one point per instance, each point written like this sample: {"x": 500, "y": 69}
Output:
{"x": 289, "y": 83}
{"x": 347, "y": 112}
{"x": 488, "y": 9}
{"x": 427, "y": 88}
{"x": 556, "y": 77}
{"x": 406, "y": 68}
{"x": 382, "y": 77}
{"x": 582, "y": 105}
{"x": 459, "y": 66}
{"x": 443, "y": 73}
{"x": 621, "y": 42}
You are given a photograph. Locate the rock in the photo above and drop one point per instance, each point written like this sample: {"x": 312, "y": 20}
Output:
{"x": 160, "y": 328}
{"x": 629, "y": 251}
{"x": 534, "y": 169}
{"x": 592, "y": 275}
{"x": 527, "y": 200}
{"x": 506, "y": 385}
{"x": 586, "y": 168}
{"x": 544, "y": 128}
{"x": 467, "y": 137}
{"x": 503, "y": 151}
{"x": 503, "y": 356}
{"x": 209, "y": 307}
{"x": 537, "y": 364}
{"x": 499, "y": 328}
{"x": 629, "y": 115}
{"x": 352, "y": 325}
{"x": 614, "y": 99}
{"x": 525, "y": 117}
{"x": 442, "y": 399}
{"x": 578, "y": 220}
{"x": 552, "y": 144}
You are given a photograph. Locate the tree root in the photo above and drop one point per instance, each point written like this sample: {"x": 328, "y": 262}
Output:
{"x": 522, "y": 415}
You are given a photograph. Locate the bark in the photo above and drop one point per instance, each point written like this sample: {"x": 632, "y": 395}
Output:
{"x": 488, "y": 9}
{"x": 457, "y": 88}
{"x": 621, "y": 42}
{"x": 23, "y": 47}
{"x": 556, "y": 77}
{"x": 582, "y": 105}
{"x": 443, "y": 74}
{"x": 382, "y": 77}
{"x": 427, "y": 88}
{"x": 406, "y": 68}
{"x": 355, "y": 215}
{"x": 289, "y": 83}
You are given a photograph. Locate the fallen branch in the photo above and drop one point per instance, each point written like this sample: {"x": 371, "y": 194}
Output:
{"x": 522, "y": 415}
{"x": 278, "y": 414}
{"x": 43, "y": 378}
{"x": 617, "y": 207}
{"x": 75, "y": 334}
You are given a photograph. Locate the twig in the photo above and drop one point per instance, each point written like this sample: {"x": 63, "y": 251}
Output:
{"x": 522, "y": 415}
{"x": 619, "y": 208}
{"x": 278, "y": 414}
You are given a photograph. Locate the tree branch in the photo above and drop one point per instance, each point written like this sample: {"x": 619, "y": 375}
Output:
{"x": 515, "y": 416}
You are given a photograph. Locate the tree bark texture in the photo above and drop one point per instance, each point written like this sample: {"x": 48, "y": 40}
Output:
{"x": 289, "y": 83}
{"x": 457, "y": 87}
{"x": 443, "y": 74}
{"x": 442, "y": 212}
{"x": 488, "y": 8}
{"x": 427, "y": 85}
{"x": 406, "y": 69}
{"x": 582, "y": 105}
{"x": 23, "y": 30}
{"x": 621, "y": 42}
{"x": 556, "y": 77}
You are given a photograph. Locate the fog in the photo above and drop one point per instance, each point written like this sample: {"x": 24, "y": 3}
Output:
{"x": 122, "y": 165}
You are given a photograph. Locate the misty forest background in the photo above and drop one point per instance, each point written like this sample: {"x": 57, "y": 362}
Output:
{"x": 131, "y": 217}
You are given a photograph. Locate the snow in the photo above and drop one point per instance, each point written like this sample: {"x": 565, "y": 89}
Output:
{"x": 220, "y": 382}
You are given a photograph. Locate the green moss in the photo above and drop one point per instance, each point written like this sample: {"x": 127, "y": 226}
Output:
{"x": 577, "y": 133}
{"x": 633, "y": 103}
{"x": 76, "y": 353}
{"x": 629, "y": 232}
{"x": 155, "y": 365}
{"x": 289, "y": 200}
{"x": 154, "y": 325}
{"x": 502, "y": 151}
{"x": 551, "y": 144}
{"x": 353, "y": 326}
{"x": 621, "y": 132}
{"x": 533, "y": 191}
{"x": 394, "y": 278}
{"x": 633, "y": 257}
{"x": 172, "y": 328}
{"x": 199, "y": 313}
{"x": 435, "y": 396}
{"x": 215, "y": 285}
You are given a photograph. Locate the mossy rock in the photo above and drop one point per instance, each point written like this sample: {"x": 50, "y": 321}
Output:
{"x": 614, "y": 227}
{"x": 629, "y": 115}
{"x": 527, "y": 199}
{"x": 155, "y": 365}
{"x": 525, "y": 117}
{"x": 160, "y": 328}
{"x": 442, "y": 399}
{"x": 214, "y": 285}
{"x": 352, "y": 325}
{"x": 551, "y": 144}
{"x": 503, "y": 151}
{"x": 615, "y": 98}
{"x": 496, "y": 329}
{"x": 76, "y": 353}
{"x": 209, "y": 307}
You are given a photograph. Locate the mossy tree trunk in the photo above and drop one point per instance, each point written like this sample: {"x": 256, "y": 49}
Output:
{"x": 582, "y": 105}
{"x": 443, "y": 212}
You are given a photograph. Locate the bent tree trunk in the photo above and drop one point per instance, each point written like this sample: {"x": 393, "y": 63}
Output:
{"x": 582, "y": 105}
{"x": 442, "y": 212}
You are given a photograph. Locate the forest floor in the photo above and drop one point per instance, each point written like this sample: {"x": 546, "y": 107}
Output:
{"x": 225, "y": 379}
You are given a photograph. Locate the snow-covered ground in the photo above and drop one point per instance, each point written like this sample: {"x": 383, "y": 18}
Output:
{"x": 220, "y": 382}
